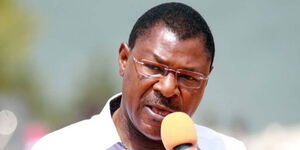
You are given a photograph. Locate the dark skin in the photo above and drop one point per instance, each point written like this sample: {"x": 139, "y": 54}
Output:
{"x": 137, "y": 120}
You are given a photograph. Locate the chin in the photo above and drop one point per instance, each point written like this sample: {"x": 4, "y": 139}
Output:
{"x": 153, "y": 137}
{"x": 152, "y": 133}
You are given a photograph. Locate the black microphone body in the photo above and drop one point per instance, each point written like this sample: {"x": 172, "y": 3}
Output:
{"x": 183, "y": 146}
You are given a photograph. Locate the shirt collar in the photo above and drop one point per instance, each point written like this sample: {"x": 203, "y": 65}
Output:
{"x": 105, "y": 117}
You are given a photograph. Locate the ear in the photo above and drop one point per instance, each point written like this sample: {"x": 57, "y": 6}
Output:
{"x": 123, "y": 57}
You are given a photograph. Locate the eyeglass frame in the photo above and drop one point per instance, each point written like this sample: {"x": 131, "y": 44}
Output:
{"x": 166, "y": 70}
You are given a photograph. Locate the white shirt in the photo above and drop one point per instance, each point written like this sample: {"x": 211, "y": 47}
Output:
{"x": 99, "y": 133}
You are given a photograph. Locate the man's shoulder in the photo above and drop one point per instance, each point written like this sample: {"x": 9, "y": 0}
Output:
{"x": 64, "y": 136}
{"x": 97, "y": 132}
{"x": 86, "y": 134}
{"x": 210, "y": 139}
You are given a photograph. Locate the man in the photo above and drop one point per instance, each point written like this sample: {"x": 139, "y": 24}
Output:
{"x": 165, "y": 68}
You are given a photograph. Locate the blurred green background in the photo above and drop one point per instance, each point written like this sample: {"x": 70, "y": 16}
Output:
{"x": 58, "y": 63}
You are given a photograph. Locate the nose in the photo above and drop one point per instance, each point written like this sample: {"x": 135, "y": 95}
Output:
{"x": 167, "y": 85}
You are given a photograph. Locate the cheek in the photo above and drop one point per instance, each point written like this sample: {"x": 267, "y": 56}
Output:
{"x": 133, "y": 89}
{"x": 130, "y": 82}
{"x": 191, "y": 100}
{"x": 129, "y": 91}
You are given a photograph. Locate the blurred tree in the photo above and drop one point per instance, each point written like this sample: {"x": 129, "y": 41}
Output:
{"x": 17, "y": 29}
{"x": 18, "y": 77}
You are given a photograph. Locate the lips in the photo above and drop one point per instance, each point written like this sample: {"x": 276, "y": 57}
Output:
{"x": 160, "y": 110}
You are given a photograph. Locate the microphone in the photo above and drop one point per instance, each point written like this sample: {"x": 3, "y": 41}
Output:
{"x": 8, "y": 124}
{"x": 178, "y": 132}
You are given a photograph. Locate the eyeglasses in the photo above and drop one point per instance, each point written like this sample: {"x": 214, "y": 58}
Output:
{"x": 185, "y": 78}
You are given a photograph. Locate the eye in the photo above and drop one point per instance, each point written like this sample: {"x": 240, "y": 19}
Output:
{"x": 154, "y": 68}
{"x": 188, "y": 77}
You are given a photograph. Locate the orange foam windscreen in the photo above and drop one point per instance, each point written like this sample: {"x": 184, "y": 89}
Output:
{"x": 176, "y": 129}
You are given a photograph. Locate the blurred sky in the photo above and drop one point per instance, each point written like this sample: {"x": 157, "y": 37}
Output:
{"x": 256, "y": 72}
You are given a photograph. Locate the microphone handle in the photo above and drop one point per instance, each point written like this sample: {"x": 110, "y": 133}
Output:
{"x": 182, "y": 146}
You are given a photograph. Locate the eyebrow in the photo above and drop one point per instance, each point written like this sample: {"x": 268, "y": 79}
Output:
{"x": 160, "y": 60}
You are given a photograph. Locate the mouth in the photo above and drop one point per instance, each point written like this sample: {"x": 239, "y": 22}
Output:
{"x": 159, "y": 111}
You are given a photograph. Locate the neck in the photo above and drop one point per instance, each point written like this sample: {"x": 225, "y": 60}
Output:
{"x": 131, "y": 136}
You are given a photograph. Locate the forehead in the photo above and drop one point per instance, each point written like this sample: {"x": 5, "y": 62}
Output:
{"x": 160, "y": 42}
